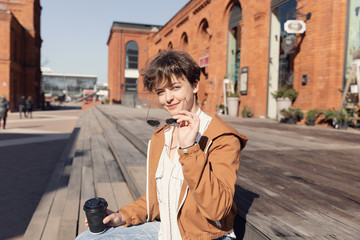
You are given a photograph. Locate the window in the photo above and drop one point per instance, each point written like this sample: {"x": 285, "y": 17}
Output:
{"x": 184, "y": 41}
{"x": 130, "y": 84}
{"x": 170, "y": 46}
{"x": 132, "y": 52}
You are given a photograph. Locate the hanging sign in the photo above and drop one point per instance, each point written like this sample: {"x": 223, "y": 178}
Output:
{"x": 295, "y": 26}
{"x": 204, "y": 61}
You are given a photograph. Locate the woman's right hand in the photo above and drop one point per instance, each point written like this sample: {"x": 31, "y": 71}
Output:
{"x": 113, "y": 219}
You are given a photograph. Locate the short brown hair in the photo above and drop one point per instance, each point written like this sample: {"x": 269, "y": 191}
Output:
{"x": 167, "y": 64}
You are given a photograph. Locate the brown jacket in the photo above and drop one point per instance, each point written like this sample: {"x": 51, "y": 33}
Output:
{"x": 206, "y": 208}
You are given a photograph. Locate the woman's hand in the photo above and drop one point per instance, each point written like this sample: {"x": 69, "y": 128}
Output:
{"x": 113, "y": 219}
{"x": 188, "y": 128}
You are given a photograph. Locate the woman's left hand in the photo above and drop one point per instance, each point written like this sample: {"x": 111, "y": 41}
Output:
{"x": 188, "y": 128}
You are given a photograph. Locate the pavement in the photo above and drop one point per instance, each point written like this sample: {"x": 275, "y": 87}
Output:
{"x": 29, "y": 151}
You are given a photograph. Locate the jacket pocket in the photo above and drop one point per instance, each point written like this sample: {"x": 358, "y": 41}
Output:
{"x": 159, "y": 175}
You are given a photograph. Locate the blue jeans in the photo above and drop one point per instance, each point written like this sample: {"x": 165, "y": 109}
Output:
{"x": 148, "y": 230}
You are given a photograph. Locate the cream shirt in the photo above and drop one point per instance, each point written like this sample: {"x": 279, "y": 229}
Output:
{"x": 169, "y": 178}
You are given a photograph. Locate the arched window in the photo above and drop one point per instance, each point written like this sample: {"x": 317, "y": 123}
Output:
{"x": 184, "y": 41}
{"x": 170, "y": 45}
{"x": 132, "y": 55}
{"x": 204, "y": 28}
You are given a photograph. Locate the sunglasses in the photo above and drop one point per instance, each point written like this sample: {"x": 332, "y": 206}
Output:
{"x": 156, "y": 123}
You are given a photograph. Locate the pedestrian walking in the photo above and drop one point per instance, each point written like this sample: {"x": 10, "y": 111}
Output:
{"x": 192, "y": 164}
{"x": 29, "y": 106}
{"x": 22, "y": 106}
{"x": 4, "y": 108}
{"x": 42, "y": 100}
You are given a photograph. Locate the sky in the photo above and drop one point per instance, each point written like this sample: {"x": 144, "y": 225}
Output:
{"x": 75, "y": 32}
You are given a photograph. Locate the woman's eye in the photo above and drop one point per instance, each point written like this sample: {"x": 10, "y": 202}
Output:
{"x": 159, "y": 92}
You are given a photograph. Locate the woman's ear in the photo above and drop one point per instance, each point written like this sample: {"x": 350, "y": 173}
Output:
{"x": 195, "y": 86}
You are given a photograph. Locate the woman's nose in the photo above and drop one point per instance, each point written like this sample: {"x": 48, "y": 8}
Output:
{"x": 169, "y": 96}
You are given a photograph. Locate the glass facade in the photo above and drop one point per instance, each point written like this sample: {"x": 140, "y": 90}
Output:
{"x": 132, "y": 51}
{"x": 285, "y": 12}
{"x": 353, "y": 36}
{"x": 71, "y": 85}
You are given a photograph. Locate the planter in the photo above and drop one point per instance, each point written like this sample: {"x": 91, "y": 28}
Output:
{"x": 282, "y": 103}
{"x": 341, "y": 125}
{"x": 290, "y": 120}
{"x": 311, "y": 123}
{"x": 233, "y": 106}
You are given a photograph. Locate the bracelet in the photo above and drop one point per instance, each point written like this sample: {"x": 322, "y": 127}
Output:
{"x": 185, "y": 149}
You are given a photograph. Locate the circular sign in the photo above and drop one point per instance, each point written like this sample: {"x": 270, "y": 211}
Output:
{"x": 288, "y": 43}
{"x": 295, "y": 26}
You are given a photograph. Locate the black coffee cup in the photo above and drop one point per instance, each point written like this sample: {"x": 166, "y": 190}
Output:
{"x": 95, "y": 209}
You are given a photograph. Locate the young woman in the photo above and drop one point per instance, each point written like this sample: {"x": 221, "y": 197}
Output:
{"x": 192, "y": 167}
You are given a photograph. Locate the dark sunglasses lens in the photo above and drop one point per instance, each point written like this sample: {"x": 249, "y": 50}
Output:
{"x": 153, "y": 123}
{"x": 171, "y": 122}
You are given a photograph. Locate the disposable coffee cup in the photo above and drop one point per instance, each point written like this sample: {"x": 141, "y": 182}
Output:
{"x": 95, "y": 209}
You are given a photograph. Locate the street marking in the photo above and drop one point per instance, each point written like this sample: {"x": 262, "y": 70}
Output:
{"x": 29, "y": 140}
{"x": 29, "y": 131}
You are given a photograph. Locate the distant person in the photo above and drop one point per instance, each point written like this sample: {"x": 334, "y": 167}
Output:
{"x": 29, "y": 106}
{"x": 42, "y": 100}
{"x": 4, "y": 108}
{"x": 22, "y": 106}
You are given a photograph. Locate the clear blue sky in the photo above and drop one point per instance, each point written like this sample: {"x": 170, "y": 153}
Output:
{"x": 75, "y": 32}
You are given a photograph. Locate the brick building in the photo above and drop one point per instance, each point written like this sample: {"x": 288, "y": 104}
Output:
{"x": 20, "y": 43}
{"x": 246, "y": 42}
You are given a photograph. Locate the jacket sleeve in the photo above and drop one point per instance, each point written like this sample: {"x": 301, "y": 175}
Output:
{"x": 136, "y": 212}
{"x": 212, "y": 180}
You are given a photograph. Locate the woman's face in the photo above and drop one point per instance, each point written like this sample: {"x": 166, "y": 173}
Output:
{"x": 179, "y": 95}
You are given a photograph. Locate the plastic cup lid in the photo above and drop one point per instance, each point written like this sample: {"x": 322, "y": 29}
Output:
{"x": 95, "y": 204}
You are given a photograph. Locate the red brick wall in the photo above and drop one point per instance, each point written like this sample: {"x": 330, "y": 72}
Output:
{"x": 5, "y": 18}
{"x": 321, "y": 54}
{"x": 116, "y": 58}
{"x": 255, "y": 32}
{"x": 20, "y": 51}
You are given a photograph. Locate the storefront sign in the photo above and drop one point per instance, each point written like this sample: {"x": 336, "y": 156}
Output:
{"x": 295, "y": 26}
{"x": 204, "y": 61}
{"x": 244, "y": 80}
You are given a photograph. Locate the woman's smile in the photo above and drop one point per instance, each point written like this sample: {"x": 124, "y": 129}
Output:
{"x": 172, "y": 106}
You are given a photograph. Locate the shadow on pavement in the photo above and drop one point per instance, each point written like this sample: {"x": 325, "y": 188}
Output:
{"x": 25, "y": 171}
{"x": 243, "y": 199}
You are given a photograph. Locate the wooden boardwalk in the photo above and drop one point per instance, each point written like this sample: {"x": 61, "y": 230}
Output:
{"x": 294, "y": 182}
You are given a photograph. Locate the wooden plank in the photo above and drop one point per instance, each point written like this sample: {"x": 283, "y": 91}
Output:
{"x": 119, "y": 186}
{"x": 87, "y": 180}
{"x": 52, "y": 224}
{"x": 37, "y": 223}
{"x": 125, "y": 154}
{"x": 69, "y": 221}
{"x": 313, "y": 205}
{"x": 101, "y": 177}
